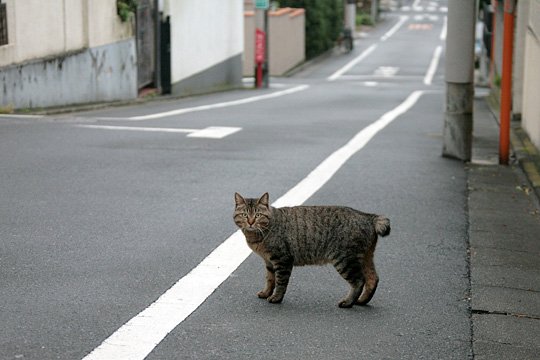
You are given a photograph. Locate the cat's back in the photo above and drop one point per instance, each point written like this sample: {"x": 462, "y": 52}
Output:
{"x": 321, "y": 220}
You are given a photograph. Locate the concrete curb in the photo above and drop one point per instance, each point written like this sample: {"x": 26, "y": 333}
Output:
{"x": 524, "y": 152}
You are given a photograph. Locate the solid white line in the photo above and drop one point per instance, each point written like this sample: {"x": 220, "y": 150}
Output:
{"x": 395, "y": 28}
{"x": 140, "y": 335}
{"x": 352, "y": 63}
{"x": 22, "y": 116}
{"x": 444, "y": 28}
{"x": 132, "y": 128}
{"x": 218, "y": 105}
{"x": 433, "y": 65}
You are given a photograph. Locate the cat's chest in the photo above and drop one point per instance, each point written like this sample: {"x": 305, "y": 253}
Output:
{"x": 260, "y": 248}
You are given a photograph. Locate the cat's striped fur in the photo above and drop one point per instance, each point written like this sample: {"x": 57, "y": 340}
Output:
{"x": 312, "y": 235}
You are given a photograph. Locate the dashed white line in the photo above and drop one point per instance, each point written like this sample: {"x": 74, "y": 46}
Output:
{"x": 140, "y": 335}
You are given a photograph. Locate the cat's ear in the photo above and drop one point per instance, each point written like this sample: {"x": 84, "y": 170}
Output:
{"x": 263, "y": 200}
{"x": 239, "y": 200}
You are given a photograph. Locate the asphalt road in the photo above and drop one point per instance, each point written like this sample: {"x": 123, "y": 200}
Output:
{"x": 97, "y": 221}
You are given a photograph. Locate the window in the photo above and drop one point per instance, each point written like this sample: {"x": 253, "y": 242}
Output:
{"x": 3, "y": 25}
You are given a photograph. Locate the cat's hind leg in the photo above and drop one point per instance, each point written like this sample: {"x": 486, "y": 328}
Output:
{"x": 270, "y": 282}
{"x": 350, "y": 269}
{"x": 371, "y": 278}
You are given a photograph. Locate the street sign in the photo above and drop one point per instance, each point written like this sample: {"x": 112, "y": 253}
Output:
{"x": 262, "y": 4}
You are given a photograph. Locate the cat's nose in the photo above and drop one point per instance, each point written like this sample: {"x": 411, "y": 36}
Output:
{"x": 251, "y": 221}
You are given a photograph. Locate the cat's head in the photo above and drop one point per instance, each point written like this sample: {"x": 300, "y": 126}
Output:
{"x": 252, "y": 214}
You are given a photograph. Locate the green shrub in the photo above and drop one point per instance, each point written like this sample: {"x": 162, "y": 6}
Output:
{"x": 324, "y": 23}
{"x": 126, "y": 8}
{"x": 363, "y": 19}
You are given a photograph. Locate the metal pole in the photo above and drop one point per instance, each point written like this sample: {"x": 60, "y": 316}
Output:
{"x": 458, "y": 116}
{"x": 350, "y": 15}
{"x": 493, "y": 43}
{"x": 506, "y": 81}
{"x": 374, "y": 11}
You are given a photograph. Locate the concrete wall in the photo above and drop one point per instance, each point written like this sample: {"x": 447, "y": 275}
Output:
{"x": 531, "y": 71}
{"x": 38, "y": 28}
{"x": 102, "y": 73}
{"x": 63, "y": 52}
{"x": 206, "y": 44}
{"x": 286, "y": 40}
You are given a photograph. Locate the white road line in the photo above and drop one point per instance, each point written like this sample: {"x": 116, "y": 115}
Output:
{"x": 21, "y": 116}
{"x": 352, "y": 63}
{"x": 428, "y": 79}
{"x": 395, "y": 28}
{"x": 132, "y": 128}
{"x": 140, "y": 335}
{"x": 444, "y": 29}
{"x": 218, "y": 105}
{"x": 380, "y": 77}
{"x": 211, "y": 132}
{"x": 214, "y": 132}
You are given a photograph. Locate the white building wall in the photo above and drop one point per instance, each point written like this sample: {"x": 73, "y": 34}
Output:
{"x": 531, "y": 85}
{"x": 38, "y": 29}
{"x": 204, "y": 34}
{"x": 64, "y": 52}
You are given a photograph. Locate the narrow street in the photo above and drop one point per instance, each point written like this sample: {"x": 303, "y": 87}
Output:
{"x": 103, "y": 212}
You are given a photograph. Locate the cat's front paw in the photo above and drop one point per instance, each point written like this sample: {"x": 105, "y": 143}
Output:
{"x": 275, "y": 299}
{"x": 264, "y": 294}
{"x": 345, "y": 303}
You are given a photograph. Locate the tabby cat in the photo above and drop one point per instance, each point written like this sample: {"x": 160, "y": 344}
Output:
{"x": 312, "y": 235}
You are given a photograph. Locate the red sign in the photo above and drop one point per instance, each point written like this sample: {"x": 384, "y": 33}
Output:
{"x": 260, "y": 46}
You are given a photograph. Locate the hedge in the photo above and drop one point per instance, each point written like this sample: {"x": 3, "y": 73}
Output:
{"x": 324, "y": 23}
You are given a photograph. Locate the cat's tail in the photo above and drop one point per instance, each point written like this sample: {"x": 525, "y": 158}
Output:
{"x": 382, "y": 225}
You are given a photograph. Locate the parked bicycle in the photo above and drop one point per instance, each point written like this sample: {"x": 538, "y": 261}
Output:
{"x": 345, "y": 40}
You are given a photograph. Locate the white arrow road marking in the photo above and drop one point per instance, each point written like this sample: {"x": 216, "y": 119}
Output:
{"x": 140, "y": 335}
{"x": 386, "y": 71}
{"x": 211, "y": 132}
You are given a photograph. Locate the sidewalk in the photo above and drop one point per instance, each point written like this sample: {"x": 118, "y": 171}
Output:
{"x": 504, "y": 235}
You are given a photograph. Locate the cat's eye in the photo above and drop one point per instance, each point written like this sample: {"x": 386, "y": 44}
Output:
{"x": 244, "y": 214}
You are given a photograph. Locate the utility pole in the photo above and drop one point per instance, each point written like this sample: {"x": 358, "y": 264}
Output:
{"x": 374, "y": 11}
{"x": 350, "y": 15}
{"x": 458, "y": 115}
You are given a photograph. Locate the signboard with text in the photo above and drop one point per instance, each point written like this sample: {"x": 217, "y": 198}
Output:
{"x": 262, "y": 4}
